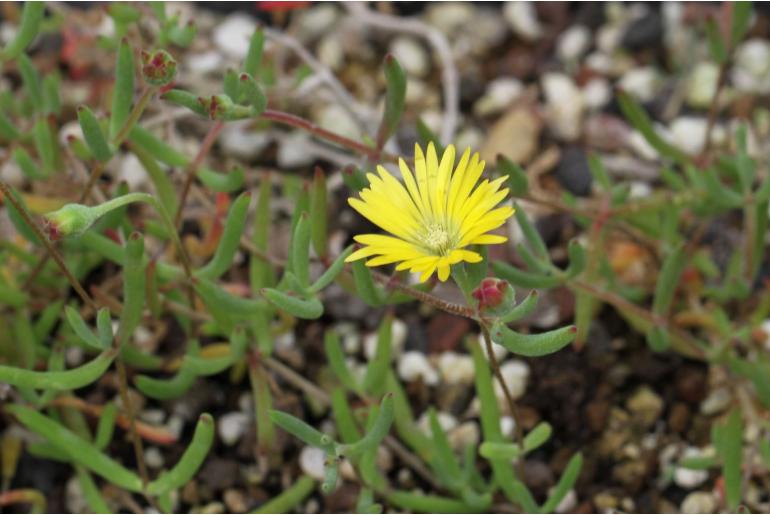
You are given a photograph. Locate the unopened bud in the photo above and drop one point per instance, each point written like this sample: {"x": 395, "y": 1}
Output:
{"x": 158, "y": 68}
{"x": 490, "y": 293}
{"x": 70, "y": 220}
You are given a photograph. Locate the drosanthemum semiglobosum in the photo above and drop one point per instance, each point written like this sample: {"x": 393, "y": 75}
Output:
{"x": 433, "y": 216}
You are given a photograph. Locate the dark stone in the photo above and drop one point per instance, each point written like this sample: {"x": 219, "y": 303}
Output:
{"x": 573, "y": 172}
{"x": 646, "y": 32}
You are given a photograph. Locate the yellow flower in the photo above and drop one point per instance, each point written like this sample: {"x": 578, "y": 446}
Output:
{"x": 433, "y": 216}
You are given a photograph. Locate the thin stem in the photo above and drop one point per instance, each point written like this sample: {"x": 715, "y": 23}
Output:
{"x": 686, "y": 344}
{"x": 518, "y": 430}
{"x": 192, "y": 169}
{"x": 48, "y": 245}
{"x": 300, "y": 123}
{"x": 125, "y": 398}
{"x": 449, "y": 307}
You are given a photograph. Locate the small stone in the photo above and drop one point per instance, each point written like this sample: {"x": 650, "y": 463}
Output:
{"x": 514, "y": 136}
{"x": 688, "y": 133}
{"x": 573, "y": 43}
{"x": 639, "y": 189}
{"x": 317, "y": 20}
{"x": 699, "y": 502}
{"x": 515, "y": 373}
{"x": 564, "y": 105}
{"x": 639, "y": 144}
{"x": 456, "y": 368}
{"x": 311, "y": 461}
{"x": 522, "y": 18}
{"x": 507, "y": 425}
{"x": 449, "y": 17}
{"x": 446, "y": 420}
{"x": 464, "y": 435}
{"x": 414, "y": 365}
{"x": 398, "y": 334}
{"x": 500, "y": 93}
{"x": 641, "y": 83}
{"x": 702, "y": 84}
{"x": 132, "y": 172}
{"x": 384, "y": 459}
{"x": 292, "y": 151}
{"x": 573, "y": 172}
{"x": 597, "y": 93}
{"x": 153, "y": 458}
{"x": 751, "y": 71}
{"x": 203, "y": 63}
{"x": 235, "y": 500}
{"x": 645, "y": 405}
{"x": 689, "y": 478}
{"x": 69, "y": 130}
{"x": 74, "y": 499}
{"x": 469, "y": 137}
{"x": 411, "y": 55}
{"x": 331, "y": 53}
{"x": 605, "y": 502}
{"x": 233, "y": 34}
{"x": 337, "y": 119}
{"x": 644, "y": 32}
{"x": 237, "y": 140}
{"x": 231, "y": 427}
{"x": 717, "y": 401}
{"x": 568, "y": 503}
{"x": 11, "y": 173}
{"x": 211, "y": 508}
{"x": 499, "y": 351}
{"x": 74, "y": 356}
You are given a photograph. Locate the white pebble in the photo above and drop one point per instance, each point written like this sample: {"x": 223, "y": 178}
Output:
{"x": 240, "y": 141}
{"x": 564, "y": 105}
{"x": 292, "y": 151}
{"x": 688, "y": 133}
{"x": 515, "y": 373}
{"x": 765, "y": 326}
{"x": 446, "y": 421}
{"x": 337, "y": 119}
{"x": 689, "y": 478}
{"x": 231, "y": 427}
{"x": 233, "y": 34}
{"x": 597, "y": 93}
{"x": 411, "y": 56}
{"x": 317, "y": 20}
{"x": 11, "y": 173}
{"x": 311, "y": 461}
{"x": 573, "y": 43}
{"x": 414, "y": 365}
{"x": 331, "y": 52}
{"x": 464, "y": 435}
{"x": 699, "y": 502}
{"x": 70, "y": 129}
{"x": 499, "y": 351}
{"x": 522, "y": 18}
{"x": 641, "y": 83}
{"x": 398, "y": 333}
{"x": 639, "y": 144}
{"x": 456, "y": 368}
{"x": 205, "y": 62}
{"x": 702, "y": 84}
{"x": 507, "y": 425}
{"x": 716, "y": 401}
{"x": 500, "y": 93}
{"x": 751, "y": 72}
{"x": 153, "y": 458}
{"x": 568, "y": 503}
{"x": 132, "y": 172}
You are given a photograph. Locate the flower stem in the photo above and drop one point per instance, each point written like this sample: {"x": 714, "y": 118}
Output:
{"x": 518, "y": 430}
{"x": 192, "y": 168}
{"x": 48, "y": 245}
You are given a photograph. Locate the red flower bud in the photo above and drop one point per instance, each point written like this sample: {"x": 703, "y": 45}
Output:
{"x": 490, "y": 292}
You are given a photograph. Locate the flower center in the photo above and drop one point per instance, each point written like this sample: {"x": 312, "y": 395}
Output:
{"x": 437, "y": 239}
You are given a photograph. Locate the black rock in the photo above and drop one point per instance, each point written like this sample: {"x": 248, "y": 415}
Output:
{"x": 573, "y": 172}
{"x": 646, "y": 32}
